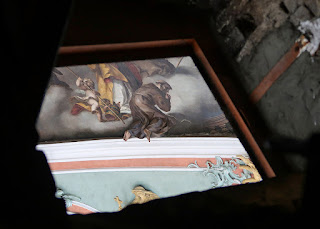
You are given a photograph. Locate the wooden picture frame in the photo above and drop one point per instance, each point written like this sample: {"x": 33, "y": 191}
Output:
{"x": 77, "y": 55}
{"x": 171, "y": 48}
{"x": 190, "y": 154}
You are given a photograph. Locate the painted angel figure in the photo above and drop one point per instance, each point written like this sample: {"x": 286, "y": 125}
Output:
{"x": 91, "y": 99}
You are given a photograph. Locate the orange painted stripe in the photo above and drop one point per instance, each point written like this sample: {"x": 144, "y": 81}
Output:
{"x": 79, "y": 210}
{"x": 132, "y": 163}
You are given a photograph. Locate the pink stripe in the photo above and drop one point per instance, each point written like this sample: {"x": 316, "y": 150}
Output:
{"x": 78, "y": 209}
{"x": 133, "y": 163}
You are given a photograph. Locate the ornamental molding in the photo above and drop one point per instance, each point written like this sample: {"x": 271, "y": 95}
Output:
{"x": 249, "y": 166}
{"x": 222, "y": 173}
{"x": 142, "y": 195}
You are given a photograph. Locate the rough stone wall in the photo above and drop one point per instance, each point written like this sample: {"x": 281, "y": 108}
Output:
{"x": 244, "y": 23}
{"x": 291, "y": 107}
{"x": 256, "y": 35}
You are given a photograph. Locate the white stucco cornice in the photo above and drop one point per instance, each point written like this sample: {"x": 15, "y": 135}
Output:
{"x": 113, "y": 149}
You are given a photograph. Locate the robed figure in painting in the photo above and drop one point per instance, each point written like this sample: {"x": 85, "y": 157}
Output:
{"x": 147, "y": 118}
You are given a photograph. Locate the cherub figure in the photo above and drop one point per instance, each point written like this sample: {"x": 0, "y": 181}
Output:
{"x": 91, "y": 100}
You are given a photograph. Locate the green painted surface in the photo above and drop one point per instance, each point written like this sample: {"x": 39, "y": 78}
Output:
{"x": 98, "y": 189}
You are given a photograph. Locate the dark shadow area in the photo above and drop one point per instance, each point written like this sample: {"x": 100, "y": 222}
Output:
{"x": 34, "y": 30}
{"x": 246, "y": 25}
